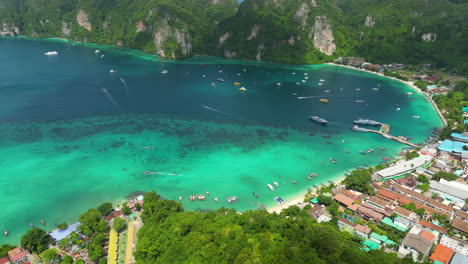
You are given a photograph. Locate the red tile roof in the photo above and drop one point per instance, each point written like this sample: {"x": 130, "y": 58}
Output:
{"x": 460, "y": 225}
{"x": 442, "y": 254}
{"x": 440, "y": 206}
{"x": 363, "y": 229}
{"x": 4, "y": 260}
{"x": 430, "y": 225}
{"x": 384, "y": 194}
{"x": 427, "y": 235}
{"x": 113, "y": 215}
{"x": 403, "y": 211}
{"x": 18, "y": 253}
{"x": 343, "y": 199}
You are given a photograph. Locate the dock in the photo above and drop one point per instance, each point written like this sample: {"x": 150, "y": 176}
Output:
{"x": 384, "y": 130}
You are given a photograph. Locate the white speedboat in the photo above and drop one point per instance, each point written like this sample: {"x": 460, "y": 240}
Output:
{"x": 271, "y": 187}
{"x": 112, "y": 71}
{"x": 97, "y": 51}
{"x": 164, "y": 72}
{"x": 49, "y": 53}
{"x": 416, "y": 116}
{"x": 276, "y": 184}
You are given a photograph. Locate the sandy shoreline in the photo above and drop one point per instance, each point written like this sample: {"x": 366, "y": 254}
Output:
{"x": 299, "y": 198}
{"x": 410, "y": 84}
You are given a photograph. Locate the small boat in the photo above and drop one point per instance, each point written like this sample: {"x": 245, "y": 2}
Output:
{"x": 255, "y": 194}
{"x": 332, "y": 160}
{"x": 215, "y": 199}
{"x": 321, "y": 162}
{"x": 347, "y": 151}
{"x": 97, "y": 51}
{"x": 325, "y": 101}
{"x": 147, "y": 172}
{"x": 220, "y": 80}
{"x": 49, "y": 53}
{"x": 326, "y": 136}
{"x": 192, "y": 198}
{"x": 242, "y": 89}
{"x": 382, "y": 148}
{"x": 358, "y": 89}
{"x": 236, "y": 83}
{"x": 370, "y": 150}
{"x": 305, "y": 73}
{"x": 416, "y": 116}
{"x": 359, "y": 101}
{"x": 328, "y": 142}
{"x": 398, "y": 109}
{"x": 366, "y": 122}
{"x": 311, "y": 134}
{"x": 293, "y": 73}
{"x": 278, "y": 84}
{"x": 293, "y": 182}
{"x": 279, "y": 200}
{"x": 309, "y": 178}
{"x": 313, "y": 175}
{"x": 31, "y": 225}
{"x": 102, "y": 56}
{"x": 43, "y": 222}
{"x": 261, "y": 206}
{"x": 409, "y": 93}
{"x": 326, "y": 91}
{"x": 348, "y": 170}
{"x": 204, "y": 76}
{"x": 213, "y": 84}
{"x": 363, "y": 152}
{"x": 5, "y": 232}
{"x": 359, "y": 168}
{"x": 375, "y": 89}
{"x": 201, "y": 197}
{"x": 112, "y": 71}
{"x": 367, "y": 165}
{"x": 276, "y": 184}
{"x": 164, "y": 72}
{"x": 271, "y": 187}
{"x": 321, "y": 80}
{"x": 208, "y": 193}
{"x": 303, "y": 81}
{"x": 180, "y": 198}
{"x": 318, "y": 120}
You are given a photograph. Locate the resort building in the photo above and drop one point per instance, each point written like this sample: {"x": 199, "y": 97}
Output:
{"x": 362, "y": 231}
{"x": 417, "y": 241}
{"x": 453, "y": 148}
{"x": 460, "y": 137}
{"x": 442, "y": 254}
{"x": 432, "y": 226}
{"x": 457, "y": 245}
{"x": 405, "y": 213}
{"x": 404, "y": 167}
{"x": 450, "y": 189}
{"x": 18, "y": 255}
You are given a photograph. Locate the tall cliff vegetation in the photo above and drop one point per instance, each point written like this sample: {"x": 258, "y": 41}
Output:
{"x": 293, "y": 31}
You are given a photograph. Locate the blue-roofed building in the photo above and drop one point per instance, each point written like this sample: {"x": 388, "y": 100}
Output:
{"x": 59, "y": 235}
{"x": 465, "y": 109}
{"x": 460, "y": 137}
{"x": 452, "y": 146}
{"x": 459, "y": 259}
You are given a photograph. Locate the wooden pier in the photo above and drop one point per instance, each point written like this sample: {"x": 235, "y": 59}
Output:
{"x": 385, "y": 132}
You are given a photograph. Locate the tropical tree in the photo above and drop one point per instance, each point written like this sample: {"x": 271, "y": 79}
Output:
{"x": 50, "y": 256}
{"x": 36, "y": 240}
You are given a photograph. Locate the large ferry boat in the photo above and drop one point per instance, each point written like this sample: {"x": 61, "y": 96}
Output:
{"x": 367, "y": 122}
{"x": 318, "y": 120}
{"x": 360, "y": 129}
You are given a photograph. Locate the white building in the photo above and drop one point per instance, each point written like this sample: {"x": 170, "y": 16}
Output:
{"x": 404, "y": 166}
{"x": 458, "y": 245}
{"x": 450, "y": 188}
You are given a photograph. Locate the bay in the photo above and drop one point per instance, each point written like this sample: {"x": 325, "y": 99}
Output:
{"x": 74, "y": 134}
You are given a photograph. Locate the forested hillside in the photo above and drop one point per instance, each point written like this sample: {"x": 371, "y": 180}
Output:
{"x": 292, "y": 31}
{"x": 170, "y": 235}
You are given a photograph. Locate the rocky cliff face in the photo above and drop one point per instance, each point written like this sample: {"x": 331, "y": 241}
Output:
{"x": 9, "y": 29}
{"x": 429, "y": 36}
{"x": 83, "y": 21}
{"x": 166, "y": 36}
{"x": 323, "y": 35}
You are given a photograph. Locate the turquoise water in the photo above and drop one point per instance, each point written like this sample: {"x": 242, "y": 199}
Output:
{"x": 67, "y": 145}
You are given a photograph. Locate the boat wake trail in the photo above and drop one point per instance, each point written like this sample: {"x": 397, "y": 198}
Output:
{"x": 216, "y": 110}
{"x": 125, "y": 84}
{"x": 307, "y": 97}
{"x": 111, "y": 99}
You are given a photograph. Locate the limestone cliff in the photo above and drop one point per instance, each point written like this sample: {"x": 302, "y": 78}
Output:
{"x": 166, "y": 36}
{"x": 9, "y": 29}
{"x": 83, "y": 21}
{"x": 323, "y": 35}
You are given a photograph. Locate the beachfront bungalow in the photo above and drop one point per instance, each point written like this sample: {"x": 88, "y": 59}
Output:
{"x": 18, "y": 255}
{"x": 442, "y": 254}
